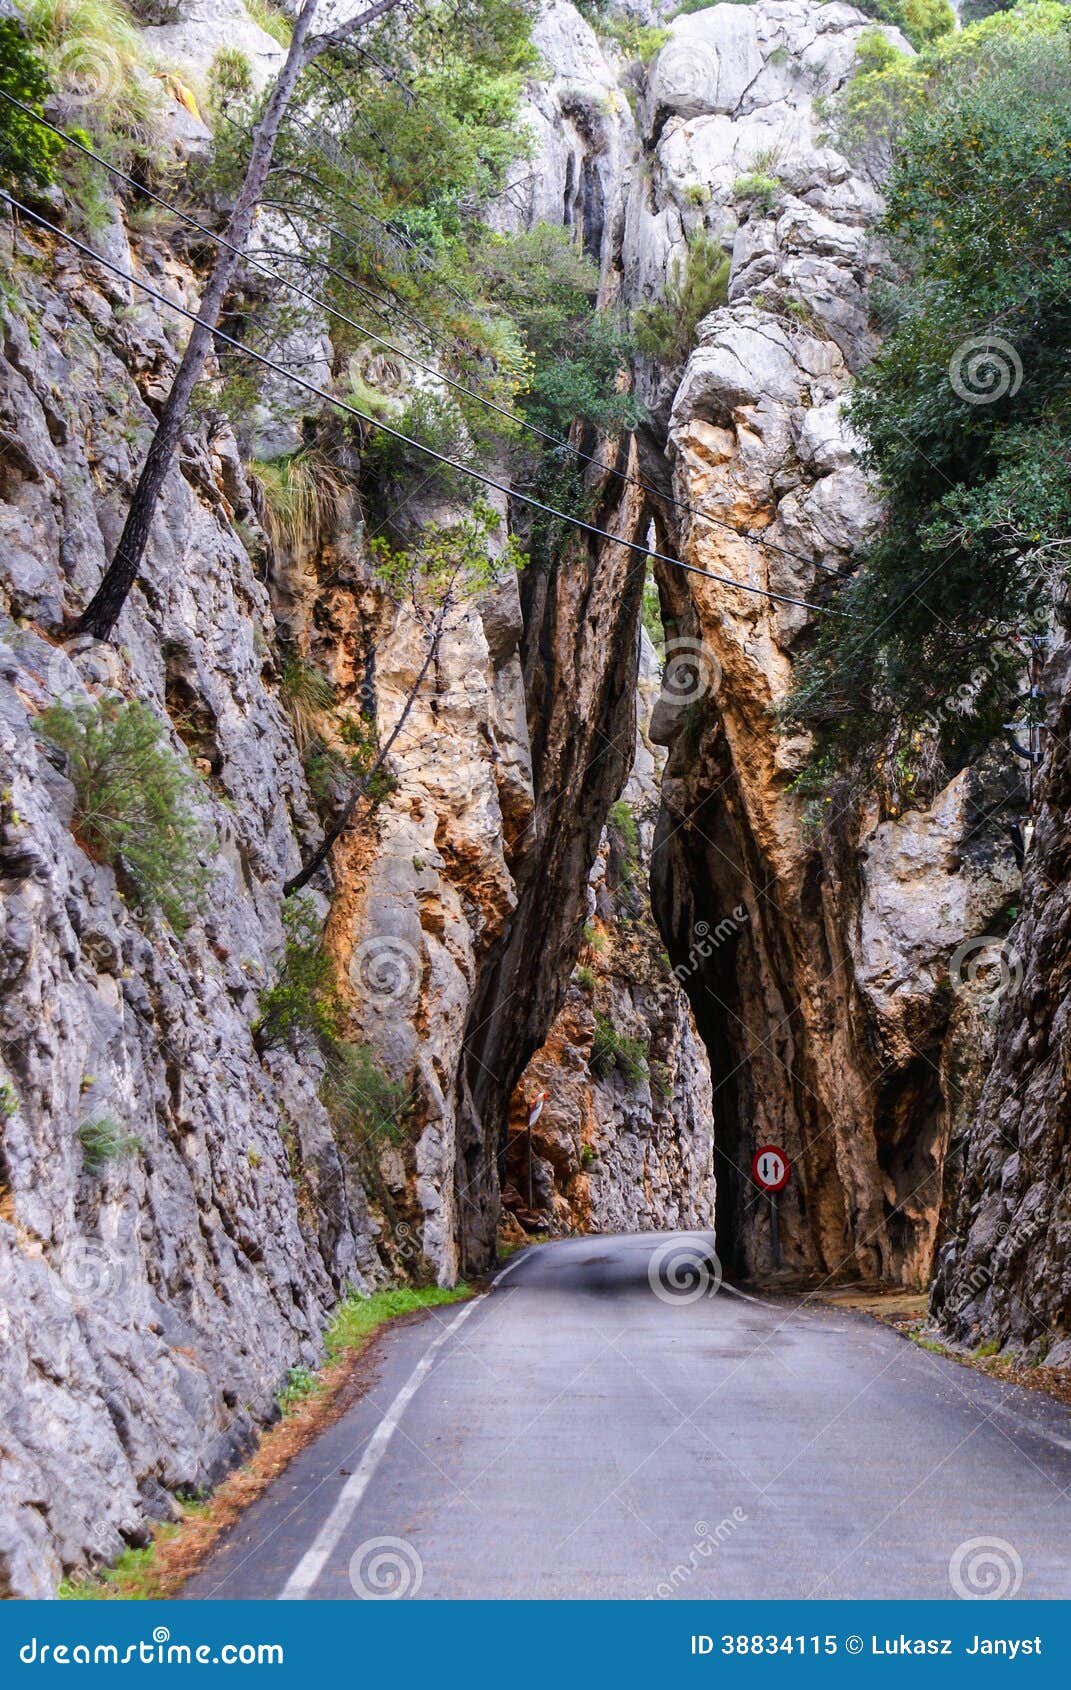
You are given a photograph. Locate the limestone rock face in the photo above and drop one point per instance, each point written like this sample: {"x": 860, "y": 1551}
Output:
{"x": 152, "y": 1305}
{"x": 1004, "y": 1275}
{"x": 585, "y": 141}
{"x": 833, "y": 1027}
{"x": 619, "y": 1148}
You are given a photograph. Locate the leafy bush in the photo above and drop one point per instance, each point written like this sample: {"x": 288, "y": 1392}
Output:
{"x": 760, "y": 188}
{"x": 612, "y": 1051}
{"x": 581, "y": 382}
{"x": 965, "y": 418}
{"x": 638, "y": 41}
{"x": 574, "y": 355}
{"x": 301, "y": 1382}
{"x": 103, "y": 1140}
{"x": 27, "y": 152}
{"x": 133, "y": 801}
{"x": 625, "y": 840}
{"x": 696, "y": 287}
{"x": 922, "y": 21}
{"x": 303, "y": 1003}
{"x": 651, "y": 613}
{"x": 304, "y": 1006}
{"x": 585, "y": 979}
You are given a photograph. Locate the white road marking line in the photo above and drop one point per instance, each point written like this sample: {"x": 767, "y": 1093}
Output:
{"x": 312, "y": 1563}
{"x": 733, "y": 1292}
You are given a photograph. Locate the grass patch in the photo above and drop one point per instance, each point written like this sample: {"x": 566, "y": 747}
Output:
{"x": 505, "y": 1251}
{"x": 103, "y": 74}
{"x": 271, "y": 19}
{"x": 308, "y": 694}
{"x": 356, "y": 1318}
{"x": 302, "y": 499}
{"x": 310, "y": 1400}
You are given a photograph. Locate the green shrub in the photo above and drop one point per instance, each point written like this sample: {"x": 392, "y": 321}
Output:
{"x": 759, "y": 188}
{"x": 965, "y": 422}
{"x": 133, "y": 801}
{"x": 27, "y": 152}
{"x": 360, "y": 1097}
{"x": 612, "y": 1051}
{"x": 301, "y": 1382}
{"x": 303, "y": 1003}
{"x": 638, "y": 41}
{"x": 585, "y": 979}
{"x": 651, "y": 613}
{"x": 700, "y": 284}
{"x": 624, "y": 836}
{"x": 587, "y": 1155}
{"x": 103, "y": 1140}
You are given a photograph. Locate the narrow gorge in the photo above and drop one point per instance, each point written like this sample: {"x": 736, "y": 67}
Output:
{"x": 593, "y": 869}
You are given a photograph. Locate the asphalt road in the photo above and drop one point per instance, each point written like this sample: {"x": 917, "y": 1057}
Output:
{"x": 575, "y": 1434}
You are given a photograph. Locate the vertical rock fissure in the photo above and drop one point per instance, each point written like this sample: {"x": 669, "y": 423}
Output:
{"x": 579, "y": 655}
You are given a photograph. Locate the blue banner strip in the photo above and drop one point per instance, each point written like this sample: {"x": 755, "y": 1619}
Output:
{"x": 557, "y": 1643}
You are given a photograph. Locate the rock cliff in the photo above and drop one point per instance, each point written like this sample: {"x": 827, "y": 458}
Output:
{"x": 828, "y": 1012}
{"x": 1004, "y": 1275}
{"x": 791, "y": 976}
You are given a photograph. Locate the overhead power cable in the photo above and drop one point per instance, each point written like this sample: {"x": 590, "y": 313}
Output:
{"x": 406, "y": 440}
{"x": 512, "y": 416}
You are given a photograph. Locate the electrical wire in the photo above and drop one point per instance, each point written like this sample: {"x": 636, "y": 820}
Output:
{"x": 397, "y": 434}
{"x": 514, "y": 417}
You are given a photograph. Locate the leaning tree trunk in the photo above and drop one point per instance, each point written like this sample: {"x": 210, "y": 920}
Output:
{"x": 100, "y": 615}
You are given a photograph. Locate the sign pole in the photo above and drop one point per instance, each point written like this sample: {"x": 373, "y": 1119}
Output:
{"x": 530, "y": 1209}
{"x": 770, "y": 1169}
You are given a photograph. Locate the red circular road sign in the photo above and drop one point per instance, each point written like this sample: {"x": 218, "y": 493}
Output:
{"x": 770, "y": 1167}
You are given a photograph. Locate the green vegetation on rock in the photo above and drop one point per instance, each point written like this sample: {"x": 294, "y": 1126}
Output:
{"x": 134, "y": 802}
{"x": 965, "y": 416}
